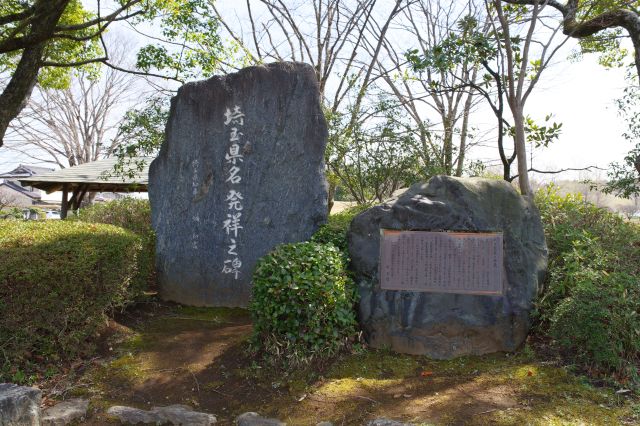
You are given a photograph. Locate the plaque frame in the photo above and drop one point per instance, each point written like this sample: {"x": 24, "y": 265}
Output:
{"x": 479, "y": 272}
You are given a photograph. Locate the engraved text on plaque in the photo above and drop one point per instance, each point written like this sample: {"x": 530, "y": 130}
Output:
{"x": 442, "y": 262}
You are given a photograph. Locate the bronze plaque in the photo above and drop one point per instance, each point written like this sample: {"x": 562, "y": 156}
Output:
{"x": 441, "y": 262}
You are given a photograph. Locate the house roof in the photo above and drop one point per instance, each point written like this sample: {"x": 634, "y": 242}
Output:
{"x": 23, "y": 191}
{"x": 25, "y": 170}
{"x": 96, "y": 176}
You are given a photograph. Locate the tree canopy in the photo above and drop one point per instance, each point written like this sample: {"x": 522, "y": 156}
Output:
{"x": 598, "y": 24}
{"x": 42, "y": 41}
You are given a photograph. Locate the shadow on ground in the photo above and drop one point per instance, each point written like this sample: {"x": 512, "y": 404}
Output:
{"x": 198, "y": 357}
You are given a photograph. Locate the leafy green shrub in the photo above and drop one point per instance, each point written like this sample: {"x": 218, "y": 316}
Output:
{"x": 328, "y": 234}
{"x": 335, "y": 231}
{"x": 303, "y": 303}
{"x": 591, "y": 306}
{"x": 58, "y": 279}
{"x": 12, "y": 213}
{"x": 132, "y": 214}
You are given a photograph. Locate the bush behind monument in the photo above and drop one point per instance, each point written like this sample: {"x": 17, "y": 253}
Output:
{"x": 591, "y": 299}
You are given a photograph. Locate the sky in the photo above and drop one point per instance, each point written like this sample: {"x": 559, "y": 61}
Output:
{"x": 581, "y": 95}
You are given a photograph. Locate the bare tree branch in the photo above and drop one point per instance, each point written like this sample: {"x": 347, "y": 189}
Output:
{"x": 75, "y": 125}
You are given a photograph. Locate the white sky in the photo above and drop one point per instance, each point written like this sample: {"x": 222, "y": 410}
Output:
{"x": 581, "y": 96}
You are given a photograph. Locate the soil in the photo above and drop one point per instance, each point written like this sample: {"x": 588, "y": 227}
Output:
{"x": 162, "y": 354}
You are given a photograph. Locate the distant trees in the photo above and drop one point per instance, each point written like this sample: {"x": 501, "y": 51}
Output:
{"x": 74, "y": 125}
{"x": 383, "y": 121}
{"x": 344, "y": 42}
{"x": 399, "y": 80}
{"x": 142, "y": 132}
{"x": 441, "y": 114}
{"x": 376, "y": 159}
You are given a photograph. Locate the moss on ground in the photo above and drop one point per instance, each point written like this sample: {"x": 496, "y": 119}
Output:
{"x": 530, "y": 391}
{"x": 374, "y": 364}
{"x": 497, "y": 389}
{"x": 216, "y": 315}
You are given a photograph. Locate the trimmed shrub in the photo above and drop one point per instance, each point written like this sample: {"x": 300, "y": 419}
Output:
{"x": 132, "y": 214}
{"x": 303, "y": 303}
{"x": 591, "y": 304}
{"x": 58, "y": 279}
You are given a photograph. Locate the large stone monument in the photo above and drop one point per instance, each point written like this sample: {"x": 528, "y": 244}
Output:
{"x": 241, "y": 170}
{"x": 451, "y": 267}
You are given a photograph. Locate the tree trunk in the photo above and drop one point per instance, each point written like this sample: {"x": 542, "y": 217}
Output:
{"x": 15, "y": 96}
{"x": 464, "y": 132}
{"x": 17, "y": 92}
{"x": 521, "y": 151}
{"x": 331, "y": 193}
{"x": 506, "y": 165}
{"x": 448, "y": 146}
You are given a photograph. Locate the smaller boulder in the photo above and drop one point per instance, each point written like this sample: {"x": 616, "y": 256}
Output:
{"x": 387, "y": 422}
{"x": 19, "y": 405}
{"x": 254, "y": 419}
{"x": 445, "y": 325}
{"x": 65, "y": 412}
{"x": 172, "y": 415}
{"x": 184, "y": 415}
{"x": 132, "y": 416}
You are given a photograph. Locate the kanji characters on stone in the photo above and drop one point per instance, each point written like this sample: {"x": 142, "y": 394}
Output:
{"x": 232, "y": 225}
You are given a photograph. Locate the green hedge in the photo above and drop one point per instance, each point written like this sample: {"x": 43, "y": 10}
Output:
{"x": 58, "y": 279}
{"x": 132, "y": 214}
{"x": 303, "y": 303}
{"x": 591, "y": 303}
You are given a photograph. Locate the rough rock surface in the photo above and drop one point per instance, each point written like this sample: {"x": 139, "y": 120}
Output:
{"x": 132, "y": 416}
{"x": 447, "y": 325}
{"x": 254, "y": 419}
{"x": 278, "y": 156}
{"x": 19, "y": 405}
{"x": 172, "y": 415}
{"x": 65, "y": 412}
{"x": 387, "y": 422}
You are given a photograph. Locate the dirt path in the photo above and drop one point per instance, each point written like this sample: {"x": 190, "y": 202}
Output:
{"x": 198, "y": 357}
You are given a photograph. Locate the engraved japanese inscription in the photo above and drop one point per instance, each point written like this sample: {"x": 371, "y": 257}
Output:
{"x": 240, "y": 171}
{"x": 443, "y": 262}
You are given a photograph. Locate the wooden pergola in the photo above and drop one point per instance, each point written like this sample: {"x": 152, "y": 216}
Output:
{"x": 97, "y": 176}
